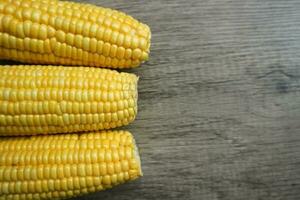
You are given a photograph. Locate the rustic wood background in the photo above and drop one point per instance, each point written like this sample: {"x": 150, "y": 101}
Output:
{"x": 219, "y": 101}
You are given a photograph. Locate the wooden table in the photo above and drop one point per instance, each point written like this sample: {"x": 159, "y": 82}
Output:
{"x": 219, "y": 101}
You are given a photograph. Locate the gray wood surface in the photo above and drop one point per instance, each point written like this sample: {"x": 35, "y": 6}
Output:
{"x": 219, "y": 101}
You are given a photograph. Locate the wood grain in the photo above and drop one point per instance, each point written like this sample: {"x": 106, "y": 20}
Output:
{"x": 219, "y": 101}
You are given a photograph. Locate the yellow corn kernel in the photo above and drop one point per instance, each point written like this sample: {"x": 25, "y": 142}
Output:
{"x": 36, "y": 167}
{"x": 55, "y": 99}
{"x": 97, "y": 36}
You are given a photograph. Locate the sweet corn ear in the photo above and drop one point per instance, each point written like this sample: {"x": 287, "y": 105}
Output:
{"x": 68, "y": 33}
{"x": 55, "y": 99}
{"x": 64, "y": 166}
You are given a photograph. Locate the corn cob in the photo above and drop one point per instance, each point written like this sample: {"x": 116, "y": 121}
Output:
{"x": 63, "y": 166}
{"x": 51, "y": 99}
{"x": 68, "y": 33}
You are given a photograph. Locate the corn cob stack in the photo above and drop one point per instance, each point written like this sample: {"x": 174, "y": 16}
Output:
{"x": 63, "y": 166}
{"x": 67, "y": 33}
{"x": 56, "y": 99}
{"x": 49, "y": 99}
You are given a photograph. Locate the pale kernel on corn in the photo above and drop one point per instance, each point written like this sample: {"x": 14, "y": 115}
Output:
{"x": 96, "y": 36}
{"x": 69, "y": 38}
{"x": 86, "y": 44}
{"x": 60, "y": 36}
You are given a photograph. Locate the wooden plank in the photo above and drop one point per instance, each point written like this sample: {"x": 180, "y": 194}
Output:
{"x": 219, "y": 101}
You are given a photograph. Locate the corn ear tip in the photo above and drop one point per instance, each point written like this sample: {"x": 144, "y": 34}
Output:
{"x": 149, "y": 45}
{"x": 137, "y": 156}
{"x": 146, "y": 53}
{"x": 137, "y": 94}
